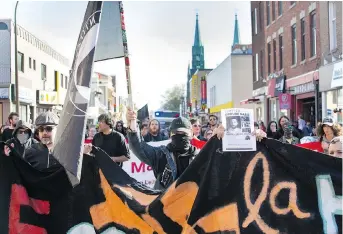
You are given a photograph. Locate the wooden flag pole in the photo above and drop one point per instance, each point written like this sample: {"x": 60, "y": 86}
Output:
{"x": 126, "y": 56}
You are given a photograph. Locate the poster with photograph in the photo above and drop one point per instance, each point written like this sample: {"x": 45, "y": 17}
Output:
{"x": 239, "y": 125}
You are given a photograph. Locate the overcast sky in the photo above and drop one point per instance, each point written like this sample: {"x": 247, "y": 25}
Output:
{"x": 160, "y": 37}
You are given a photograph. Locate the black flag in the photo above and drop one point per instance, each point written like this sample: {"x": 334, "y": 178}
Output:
{"x": 143, "y": 113}
{"x": 71, "y": 130}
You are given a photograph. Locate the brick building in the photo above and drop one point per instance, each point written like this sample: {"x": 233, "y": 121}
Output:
{"x": 287, "y": 52}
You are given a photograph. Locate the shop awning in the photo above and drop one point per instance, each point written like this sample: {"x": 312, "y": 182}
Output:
{"x": 250, "y": 100}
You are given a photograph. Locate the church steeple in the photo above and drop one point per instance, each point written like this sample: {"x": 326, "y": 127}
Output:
{"x": 197, "y": 39}
{"x": 198, "y": 58}
{"x": 236, "y": 38}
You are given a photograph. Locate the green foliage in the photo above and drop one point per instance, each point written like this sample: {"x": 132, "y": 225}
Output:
{"x": 172, "y": 98}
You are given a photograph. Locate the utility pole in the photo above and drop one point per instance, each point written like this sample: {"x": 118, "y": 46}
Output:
{"x": 16, "y": 60}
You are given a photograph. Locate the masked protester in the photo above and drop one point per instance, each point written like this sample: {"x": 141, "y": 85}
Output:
{"x": 21, "y": 139}
{"x": 168, "y": 162}
{"x": 288, "y": 134}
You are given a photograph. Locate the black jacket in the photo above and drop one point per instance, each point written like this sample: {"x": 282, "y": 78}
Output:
{"x": 39, "y": 157}
{"x": 17, "y": 145}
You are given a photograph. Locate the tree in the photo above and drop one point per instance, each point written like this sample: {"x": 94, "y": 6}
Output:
{"x": 172, "y": 98}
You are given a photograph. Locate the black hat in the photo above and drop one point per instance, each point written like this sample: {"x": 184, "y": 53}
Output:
{"x": 181, "y": 124}
{"x": 328, "y": 121}
{"x": 47, "y": 118}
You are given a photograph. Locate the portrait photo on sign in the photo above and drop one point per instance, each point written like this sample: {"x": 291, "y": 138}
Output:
{"x": 233, "y": 125}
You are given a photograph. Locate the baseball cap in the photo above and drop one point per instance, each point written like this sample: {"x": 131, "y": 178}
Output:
{"x": 181, "y": 124}
{"x": 328, "y": 121}
{"x": 47, "y": 118}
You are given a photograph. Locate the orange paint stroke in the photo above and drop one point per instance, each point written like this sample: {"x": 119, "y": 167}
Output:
{"x": 114, "y": 210}
{"x": 254, "y": 209}
{"x": 223, "y": 219}
{"x": 292, "y": 206}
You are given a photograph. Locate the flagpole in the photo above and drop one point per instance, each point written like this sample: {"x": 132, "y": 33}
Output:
{"x": 126, "y": 56}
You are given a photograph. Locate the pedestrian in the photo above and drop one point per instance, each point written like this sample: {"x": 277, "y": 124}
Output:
{"x": 280, "y": 133}
{"x": 111, "y": 141}
{"x": 21, "y": 139}
{"x": 168, "y": 162}
{"x": 90, "y": 135}
{"x": 272, "y": 129}
{"x": 301, "y": 123}
{"x": 288, "y": 134}
{"x": 154, "y": 133}
{"x": 326, "y": 131}
{"x": 208, "y": 134}
{"x": 196, "y": 128}
{"x": 12, "y": 120}
{"x": 308, "y": 130}
{"x": 335, "y": 147}
{"x": 213, "y": 122}
{"x": 262, "y": 126}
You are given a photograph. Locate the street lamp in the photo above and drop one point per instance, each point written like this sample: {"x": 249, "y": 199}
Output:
{"x": 16, "y": 59}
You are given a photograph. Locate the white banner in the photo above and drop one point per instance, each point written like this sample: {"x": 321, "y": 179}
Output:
{"x": 139, "y": 170}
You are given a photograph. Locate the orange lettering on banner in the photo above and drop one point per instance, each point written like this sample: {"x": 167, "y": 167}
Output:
{"x": 178, "y": 201}
{"x": 254, "y": 208}
{"x": 292, "y": 204}
{"x": 114, "y": 210}
{"x": 221, "y": 220}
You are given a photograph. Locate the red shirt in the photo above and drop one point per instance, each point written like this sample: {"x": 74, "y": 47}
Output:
{"x": 198, "y": 143}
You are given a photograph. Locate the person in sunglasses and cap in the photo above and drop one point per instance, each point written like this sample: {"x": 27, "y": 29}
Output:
{"x": 170, "y": 161}
{"x": 39, "y": 155}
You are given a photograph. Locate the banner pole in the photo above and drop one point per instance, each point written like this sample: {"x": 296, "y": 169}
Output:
{"x": 126, "y": 56}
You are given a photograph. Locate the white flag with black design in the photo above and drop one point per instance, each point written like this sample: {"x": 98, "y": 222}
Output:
{"x": 70, "y": 134}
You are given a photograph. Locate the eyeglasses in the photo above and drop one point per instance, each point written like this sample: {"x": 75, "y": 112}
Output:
{"x": 196, "y": 125}
{"x": 46, "y": 128}
{"x": 212, "y": 119}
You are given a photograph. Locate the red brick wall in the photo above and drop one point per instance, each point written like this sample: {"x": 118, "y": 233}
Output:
{"x": 284, "y": 21}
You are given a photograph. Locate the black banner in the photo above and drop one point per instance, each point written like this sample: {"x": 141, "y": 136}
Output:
{"x": 280, "y": 188}
{"x": 143, "y": 113}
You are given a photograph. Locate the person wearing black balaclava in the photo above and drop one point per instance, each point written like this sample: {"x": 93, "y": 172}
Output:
{"x": 167, "y": 161}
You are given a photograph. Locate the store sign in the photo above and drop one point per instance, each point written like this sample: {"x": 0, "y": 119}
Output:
{"x": 285, "y": 101}
{"x": 279, "y": 85}
{"x": 25, "y": 95}
{"x": 260, "y": 91}
{"x": 337, "y": 75}
{"x": 4, "y": 93}
{"x": 47, "y": 97}
{"x": 303, "y": 88}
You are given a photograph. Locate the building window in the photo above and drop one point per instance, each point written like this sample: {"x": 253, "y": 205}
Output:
{"x": 256, "y": 68}
{"x": 279, "y": 3}
{"x": 30, "y": 62}
{"x": 4, "y": 26}
{"x": 294, "y": 44}
{"x": 261, "y": 63}
{"x": 313, "y": 35}
{"x": 332, "y": 25}
{"x": 303, "y": 49}
{"x": 66, "y": 82}
{"x": 43, "y": 71}
{"x": 273, "y": 10}
{"x": 20, "y": 61}
{"x": 269, "y": 51}
{"x": 255, "y": 16}
{"x": 253, "y": 20}
{"x": 274, "y": 54}
{"x": 268, "y": 13}
{"x": 34, "y": 64}
{"x": 260, "y": 13}
{"x": 280, "y": 52}
{"x": 292, "y": 3}
{"x": 62, "y": 80}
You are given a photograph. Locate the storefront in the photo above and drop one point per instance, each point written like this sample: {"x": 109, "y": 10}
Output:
{"x": 303, "y": 90}
{"x": 260, "y": 104}
{"x": 330, "y": 86}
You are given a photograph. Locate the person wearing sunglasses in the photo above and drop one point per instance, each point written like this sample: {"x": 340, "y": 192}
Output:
{"x": 196, "y": 129}
{"x": 21, "y": 139}
{"x": 39, "y": 155}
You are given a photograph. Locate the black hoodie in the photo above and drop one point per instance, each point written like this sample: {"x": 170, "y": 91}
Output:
{"x": 17, "y": 145}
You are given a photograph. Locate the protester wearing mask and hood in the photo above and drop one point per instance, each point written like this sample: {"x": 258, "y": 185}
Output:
{"x": 288, "y": 134}
{"x": 21, "y": 139}
{"x": 154, "y": 133}
{"x": 170, "y": 161}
